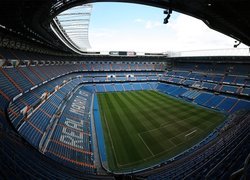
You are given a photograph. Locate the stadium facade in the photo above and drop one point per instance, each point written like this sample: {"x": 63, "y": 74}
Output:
{"x": 52, "y": 124}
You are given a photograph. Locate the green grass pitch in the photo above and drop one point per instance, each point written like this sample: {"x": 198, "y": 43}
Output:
{"x": 142, "y": 128}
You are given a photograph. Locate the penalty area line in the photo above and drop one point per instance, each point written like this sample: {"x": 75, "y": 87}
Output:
{"x": 145, "y": 144}
{"x": 191, "y": 132}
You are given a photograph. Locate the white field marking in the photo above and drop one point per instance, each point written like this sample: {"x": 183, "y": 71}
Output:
{"x": 195, "y": 128}
{"x": 145, "y": 144}
{"x": 191, "y": 132}
{"x": 166, "y": 125}
{"x": 170, "y": 149}
{"x": 119, "y": 164}
{"x": 170, "y": 140}
{"x": 113, "y": 148}
{"x": 207, "y": 126}
{"x": 135, "y": 162}
{"x": 148, "y": 158}
{"x": 162, "y": 152}
{"x": 167, "y": 150}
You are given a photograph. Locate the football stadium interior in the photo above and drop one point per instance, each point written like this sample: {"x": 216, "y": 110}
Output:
{"x": 72, "y": 114}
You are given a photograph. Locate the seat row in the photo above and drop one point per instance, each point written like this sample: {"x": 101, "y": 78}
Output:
{"x": 201, "y": 81}
{"x": 219, "y": 102}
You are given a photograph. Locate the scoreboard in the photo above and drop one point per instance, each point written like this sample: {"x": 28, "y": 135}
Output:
{"x": 122, "y": 53}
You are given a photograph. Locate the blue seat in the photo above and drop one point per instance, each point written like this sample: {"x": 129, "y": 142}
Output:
{"x": 202, "y": 98}
{"x": 119, "y": 87}
{"x": 145, "y": 86}
{"x": 109, "y": 88}
{"x": 246, "y": 91}
{"x": 230, "y": 89}
{"x": 137, "y": 86}
{"x": 241, "y": 105}
{"x": 227, "y": 104}
{"x": 100, "y": 88}
{"x": 214, "y": 101}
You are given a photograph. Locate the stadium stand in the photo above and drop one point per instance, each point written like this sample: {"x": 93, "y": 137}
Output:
{"x": 71, "y": 141}
{"x": 205, "y": 161}
{"x": 48, "y": 96}
{"x": 34, "y": 98}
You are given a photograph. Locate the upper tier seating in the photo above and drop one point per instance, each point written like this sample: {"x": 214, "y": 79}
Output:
{"x": 211, "y": 82}
{"x": 47, "y": 119}
{"x": 237, "y": 69}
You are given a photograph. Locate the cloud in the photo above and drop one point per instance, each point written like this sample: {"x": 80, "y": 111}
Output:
{"x": 152, "y": 24}
{"x": 182, "y": 33}
{"x": 102, "y": 33}
{"x": 148, "y": 24}
{"x": 139, "y": 20}
{"x": 192, "y": 34}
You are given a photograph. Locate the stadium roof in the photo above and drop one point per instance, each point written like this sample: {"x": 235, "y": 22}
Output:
{"x": 73, "y": 24}
{"x": 31, "y": 20}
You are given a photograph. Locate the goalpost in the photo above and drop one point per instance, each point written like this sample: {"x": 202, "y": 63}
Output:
{"x": 189, "y": 135}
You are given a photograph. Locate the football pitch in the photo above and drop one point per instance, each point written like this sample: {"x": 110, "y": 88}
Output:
{"x": 142, "y": 128}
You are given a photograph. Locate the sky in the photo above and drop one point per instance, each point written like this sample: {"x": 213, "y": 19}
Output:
{"x": 132, "y": 27}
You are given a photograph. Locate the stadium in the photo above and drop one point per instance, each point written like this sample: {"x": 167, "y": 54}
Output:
{"x": 69, "y": 113}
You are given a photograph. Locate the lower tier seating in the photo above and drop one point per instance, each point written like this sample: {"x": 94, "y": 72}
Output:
{"x": 222, "y": 103}
{"x": 42, "y": 116}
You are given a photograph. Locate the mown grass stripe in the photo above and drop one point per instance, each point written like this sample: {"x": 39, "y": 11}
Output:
{"x": 133, "y": 122}
{"x": 129, "y": 120}
{"x": 159, "y": 120}
{"x": 110, "y": 152}
{"x": 162, "y": 110}
{"x": 140, "y": 107}
{"x": 117, "y": 128}
{"x": 163, "y": 114}
{"x": 147, "y": 118}
{"x": 170, "y": 103}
